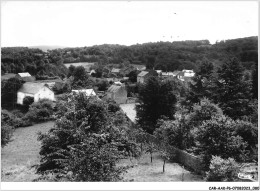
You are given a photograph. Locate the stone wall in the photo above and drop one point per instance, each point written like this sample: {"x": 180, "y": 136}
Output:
{"x": 188, "y": 160}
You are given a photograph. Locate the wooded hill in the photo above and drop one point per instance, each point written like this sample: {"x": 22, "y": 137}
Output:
{"x": 167, "y": 56}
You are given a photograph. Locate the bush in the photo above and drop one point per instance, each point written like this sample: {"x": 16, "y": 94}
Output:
{"x": 216, "y": 137}
{"x": 6, "y": 134}
{"x": 40, "y": 111}
{"x": 27, "y": 101}
{"x": 248, "y": 132}
{"x": 204, "y": 111}
{"x": 222, "y": 170}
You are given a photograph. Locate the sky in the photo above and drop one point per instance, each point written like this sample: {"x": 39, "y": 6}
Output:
{"x": 87, "y": 23}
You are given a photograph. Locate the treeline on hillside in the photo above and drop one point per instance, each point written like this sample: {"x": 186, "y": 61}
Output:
{"x": 167, "y": 56}
{"x": 34, "y": 61}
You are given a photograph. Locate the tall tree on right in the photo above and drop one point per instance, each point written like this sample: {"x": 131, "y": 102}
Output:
{"x": 233, "y": 92}
{"x": 255, "y": 82}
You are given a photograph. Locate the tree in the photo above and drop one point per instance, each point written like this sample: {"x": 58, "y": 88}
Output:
{"x": 216, "y": 137}
{"x": 233, "y": 93}
{"x": 86, "y": 142}
{"x": 9, "y": 90}
{"x": 133, "y": 76}
{"x": 6, "y": 128}
{"x": 202, "y": 83}
{"x": 156, "y": 99}
{"x": 255, "y": 81}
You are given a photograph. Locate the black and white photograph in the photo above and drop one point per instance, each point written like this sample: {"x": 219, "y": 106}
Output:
{"x": 154, "y": 95}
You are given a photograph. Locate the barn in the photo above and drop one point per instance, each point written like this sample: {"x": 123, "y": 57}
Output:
{"x": 117, "y": 93}
{"x": 36, "y": 90}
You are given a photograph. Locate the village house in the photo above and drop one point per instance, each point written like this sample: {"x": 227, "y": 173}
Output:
{"x": 36, "y": 90}
{"x": 139, "y": 67}
{"x": 87, "y": 92}
{"x": 51, "y": 83}
{"x": 117, "y": 93}
{"x": 170, "y": 74}
{"x": 144, "y": 75}
{"x": 185, "y": 75}
{"x": 115, "y": 70}
{"x": 25, "y": 77}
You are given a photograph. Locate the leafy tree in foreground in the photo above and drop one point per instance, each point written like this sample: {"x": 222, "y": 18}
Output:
{"x": 86, "y": 142}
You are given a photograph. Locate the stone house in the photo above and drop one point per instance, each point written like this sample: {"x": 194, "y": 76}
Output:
{"x": 36, "y": 90}
{"x": 117, "y": 93}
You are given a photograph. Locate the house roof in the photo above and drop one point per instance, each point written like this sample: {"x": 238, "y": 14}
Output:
{"x": 114, "y": 88}
{"x": 31, "y": 87}
{"x": 7, "y": 76}
{"x": 188, "y": 71}
{"x": 143, "y": 73}
{"x": 25, "y": 74}
{"x": 139, "y": 67}
{"x": 88, "y": 92}
{"x": 115, "y": 70}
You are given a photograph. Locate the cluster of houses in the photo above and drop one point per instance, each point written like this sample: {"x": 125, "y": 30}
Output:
{"x": 42, "y": 89}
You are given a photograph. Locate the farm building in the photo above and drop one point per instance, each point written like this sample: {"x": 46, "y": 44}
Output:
{"x": 87, "y": 92}
{"x": 117, "y": 93}
{"x": 36, "y": 90}
{"x": 25, "y": 77}
{"x": 170, "y": 74}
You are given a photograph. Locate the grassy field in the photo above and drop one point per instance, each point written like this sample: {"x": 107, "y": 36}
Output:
{"x": 145, "y": 171}
{"x": 23, "y": 152}
{"x": 20, "y": 154}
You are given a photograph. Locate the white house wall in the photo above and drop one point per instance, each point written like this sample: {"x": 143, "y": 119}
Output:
{"x": 44, "y": 93}
{"x": 21, "y": 96}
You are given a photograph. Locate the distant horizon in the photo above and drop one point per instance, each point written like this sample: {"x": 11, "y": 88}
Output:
{"x": 89, "y": 23}
{"x": 64, "y": 46}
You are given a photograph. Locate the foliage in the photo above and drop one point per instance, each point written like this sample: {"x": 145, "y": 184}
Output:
{"x": 86, "y": 141}
{"x": 40, "y": 111}
{"x": 255, "y": 81}
{"x": 205, "y": 110}
{"x": 233, "y": 93}
{"x": 102, "y": 85}
{"x": 34, "y": 61}
{"x": 216, "y": 137}
{"x": 9, "y": 90}
{"x": 156, "y": 99}
{"x": 248, "y": 132}
{"x": 6, "y": 134}
{"x": 133, "y": 76}
{"x": 28, "y": 100}
{"x": 176, "y": 133}
{"x": 202, "y": 83}
{"x": 224, "y": 170}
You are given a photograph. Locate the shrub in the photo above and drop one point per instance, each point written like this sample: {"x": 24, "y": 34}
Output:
{"x": 222, "y": 170}
{"x": 40, "y": 111}
{"x": 6, "y": 134}
{"x": 27, "y": 101}
{"x": 248, "y": 132}
{"x": 204, "y": 111}
{"x": 216, "y": 137}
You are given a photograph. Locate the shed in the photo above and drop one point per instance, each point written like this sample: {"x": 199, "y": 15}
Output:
{"x": 117, "y": 93}
{"x": 36, "y": 90}
{"x": 25, "y": 76}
